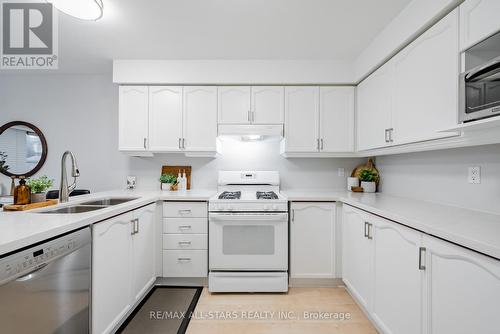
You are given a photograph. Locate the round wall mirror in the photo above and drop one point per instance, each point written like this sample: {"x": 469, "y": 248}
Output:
{"x": 23, "y": 149}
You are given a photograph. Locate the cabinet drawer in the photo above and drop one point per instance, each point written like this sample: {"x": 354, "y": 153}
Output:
{"x": 185, "y": 241}
{"x": 185, "y": 225}
{"x": 185, "y": 209}
{"x": 185, "y": 263}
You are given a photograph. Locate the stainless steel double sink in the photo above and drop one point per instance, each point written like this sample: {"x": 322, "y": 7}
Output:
{"x": 91, "y": 205}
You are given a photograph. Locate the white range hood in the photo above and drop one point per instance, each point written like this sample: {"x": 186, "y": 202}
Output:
{"x": 245, "y": 130}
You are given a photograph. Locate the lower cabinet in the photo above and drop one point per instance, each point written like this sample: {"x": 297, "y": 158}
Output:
{"x": 123, "y": 265}
{"x": 312, "y": 240}
{"x": 409, "y": 282}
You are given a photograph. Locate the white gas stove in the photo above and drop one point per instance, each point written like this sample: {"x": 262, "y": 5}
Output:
{"x": 248, "y": 234}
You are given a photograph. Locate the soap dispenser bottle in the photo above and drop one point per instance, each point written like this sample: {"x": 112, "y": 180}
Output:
{"x": 22, "y": 193}
{"x": 179, "y": 181}
{"x": 184, "y": 181}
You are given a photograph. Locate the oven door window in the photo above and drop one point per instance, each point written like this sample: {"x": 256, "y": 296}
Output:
{"x": 248, "y": 240}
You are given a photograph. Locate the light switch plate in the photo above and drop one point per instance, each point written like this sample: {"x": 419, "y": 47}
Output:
{"x": 474, "y": 175}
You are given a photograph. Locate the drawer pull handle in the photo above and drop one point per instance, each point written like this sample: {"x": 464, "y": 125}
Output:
{"x": 184, "y": 212}
{"x": 184, "y": 259}
{"x": 185, "y": 227}
{"x": 184, "y": 243}
{"x": 421, "y": 256}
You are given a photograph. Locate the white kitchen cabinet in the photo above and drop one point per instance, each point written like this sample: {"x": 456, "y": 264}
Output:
{"x": 397, "y": 280}
{"x": 234, "y": 105}
{"x": 268, "y": 105}
{"x": 123, "y": 265}
{"x": 143, "y": 251}
{"x": 111, "y": 269}
{"x": 312, "y": 240}
{"x": 426, "y": 84}
{"x": 336, "y": 119}
{"x": 200, "y": 119}
{"x": 133, "y": 118}
{"x": 462, "y": 289}
{"x": 165, "y": 118}
{"x": 478, "y": 20}
{"x": 301, "y": 119}
{"x": 374, "y": 109}
{"x": 357, "y": 255}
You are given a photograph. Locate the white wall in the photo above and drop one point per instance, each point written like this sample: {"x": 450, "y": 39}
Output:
{"x": 441, "y": 176}
{"x": 80, "y": 113}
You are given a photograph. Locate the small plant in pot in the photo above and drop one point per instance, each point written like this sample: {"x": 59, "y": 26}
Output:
{"x": 39, "y": 188}
{"x": 167, "y": 181}
{"x": 368, "y": 180}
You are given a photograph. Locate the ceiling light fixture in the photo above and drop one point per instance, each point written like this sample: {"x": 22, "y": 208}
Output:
{"x": 91, "y": 10}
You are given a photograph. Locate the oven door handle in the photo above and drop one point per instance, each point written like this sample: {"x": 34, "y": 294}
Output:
{"x": 481, "y": 70}
{"x": 245, "y": 217}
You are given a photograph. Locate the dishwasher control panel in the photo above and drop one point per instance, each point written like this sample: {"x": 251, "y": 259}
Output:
{"x": 34, "y": 258}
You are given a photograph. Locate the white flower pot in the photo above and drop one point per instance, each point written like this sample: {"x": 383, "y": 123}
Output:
{"x": 166, "y": 186}
{"x": 369, "y": 187}
{"x": 37, "y": 198}
{"x": 352, "y": 182}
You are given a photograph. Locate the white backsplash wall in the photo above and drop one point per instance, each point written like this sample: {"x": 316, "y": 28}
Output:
{"x": 441, "y": 176}
{"x": 80, "y": 113}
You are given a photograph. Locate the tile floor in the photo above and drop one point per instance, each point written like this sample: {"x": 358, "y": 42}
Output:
{"x": 280, "y": 313}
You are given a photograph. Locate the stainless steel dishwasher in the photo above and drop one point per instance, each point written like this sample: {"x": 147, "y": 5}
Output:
{"x": 45, "y": 288}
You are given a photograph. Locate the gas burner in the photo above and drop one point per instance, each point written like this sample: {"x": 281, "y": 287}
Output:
{"x": 266, "y": 195}
{"x": 230, "y": 195}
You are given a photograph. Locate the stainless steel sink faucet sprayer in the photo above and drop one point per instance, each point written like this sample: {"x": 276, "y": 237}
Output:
{"x": 64, "y": 189}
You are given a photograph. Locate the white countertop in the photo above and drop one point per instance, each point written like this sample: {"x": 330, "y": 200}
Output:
{"x": 476, "y": 230}
{"x": 21, "y": 229}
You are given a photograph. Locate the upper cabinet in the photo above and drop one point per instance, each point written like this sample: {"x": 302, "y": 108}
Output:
{"x": 165, "y": 118}
{"x": 133, "y": 118}
{"x": 251, "y": 105}
{"x": 478, "y": 21}
{"x": 319, "y": 120}
{"x": 414, "y": 95}
{"x": 168, "y": 119}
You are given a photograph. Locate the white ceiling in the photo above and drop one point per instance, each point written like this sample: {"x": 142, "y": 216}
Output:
{"x": 222, "y": 29}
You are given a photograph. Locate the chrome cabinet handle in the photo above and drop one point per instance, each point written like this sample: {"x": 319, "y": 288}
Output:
{"x": 133, "y": 226}
{"x": 186, "y": 243}
{"x": 390, "y": 130}
{"x": 145, "y": 143}
{"x": 387, "y": 135}
{"x": 137, "y": 225}
{"x": 183, "y": 143}
{"x": 185, "y": 227}
{"x": 366, "y": 230}
{"x": 184, "y": 259}
{"x": 293, "y": 215}
{"x": 187, "y": 211}
{"x": 180, "y": 140}
{"x": 321, "y": 144}
{"x": 369, "y": 234}
{"x": 421, "y": 255}
{"x": 317, "y": 144}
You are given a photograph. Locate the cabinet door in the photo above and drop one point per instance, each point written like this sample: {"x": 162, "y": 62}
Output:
{"x": 357, "y": 255}
{"x": 374, "y": 116}
{"x": 234, "y": 105}
{"x": 165, "y": 118}
{"x": 268, "y": 105}
{"x": 200, "y": 118}
{"x": 426, "y": 84}
{"x": 397, "y": 279}
{"x": 133, "y": 118}
{"x": 143, "y": 248}
{"x": 477, "y": 21}
{"x": 336, "y": 119}
{"x": 312, "y": 240}
{"x": 301, "y": 119}
{"x": 463, "y": 290}
{"x": 111, "y": 272}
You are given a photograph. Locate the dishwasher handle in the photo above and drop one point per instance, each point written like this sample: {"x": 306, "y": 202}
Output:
{"x": 32, "y": 273}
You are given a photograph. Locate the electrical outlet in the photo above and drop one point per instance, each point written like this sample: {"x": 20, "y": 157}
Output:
{"x": 131, "y": 182}
{"x": 341, "y": 172}
{"x": 474, "y": 175}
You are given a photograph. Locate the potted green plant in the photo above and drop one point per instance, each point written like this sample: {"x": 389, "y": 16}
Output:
{"x": 368, "y": 180}
{"x": 39, "y": 188}
{"x": 167, "y": 181}
{"x": 3, "y": 161}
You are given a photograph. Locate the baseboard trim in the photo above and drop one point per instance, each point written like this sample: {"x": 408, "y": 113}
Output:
{"x": 315, "y": 282}
{"x": 182, "y": 281}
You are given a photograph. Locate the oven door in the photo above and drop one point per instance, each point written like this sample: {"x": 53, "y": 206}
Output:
{"x": 480, "y": 92}
{"x": 248, "y": 241}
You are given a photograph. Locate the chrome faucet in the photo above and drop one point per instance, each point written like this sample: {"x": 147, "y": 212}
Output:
{"x": 64, "y": 189}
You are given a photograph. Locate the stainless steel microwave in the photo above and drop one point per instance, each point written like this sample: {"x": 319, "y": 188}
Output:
{"x": 480, "y": 83}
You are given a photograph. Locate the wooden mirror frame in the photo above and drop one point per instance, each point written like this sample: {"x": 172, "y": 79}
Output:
{"x": 42, "y": 140}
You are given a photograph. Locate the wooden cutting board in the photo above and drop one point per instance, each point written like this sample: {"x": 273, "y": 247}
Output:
{"x": 175, "y": 170}
{"x": 31, "y": 206}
